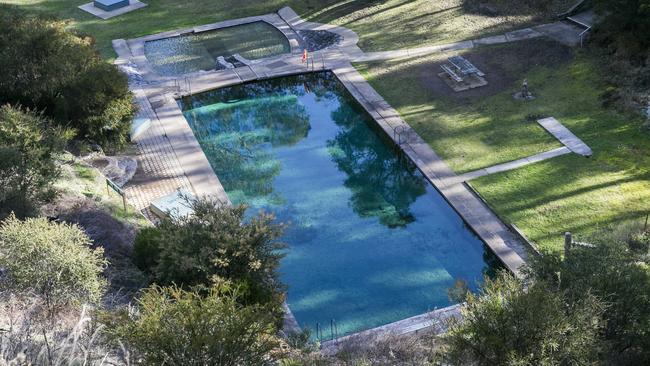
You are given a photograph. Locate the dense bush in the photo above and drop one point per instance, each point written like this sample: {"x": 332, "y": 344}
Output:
{"x": 177, "y": 327}
{"x": 618, "y": 273}
{"x": 626, "y": 23}
{"x": 623, "y": 44}
{"x": 28, "y": 147}
{"x": 46, "y": 67}
{"x": 53, "y": 261}
{"x": 509, "y": 324}
{"x": 213, "y": 245}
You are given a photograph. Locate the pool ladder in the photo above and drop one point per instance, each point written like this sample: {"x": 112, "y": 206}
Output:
{"x": 311, "y": 62}
{"x": 400, "y": 132}
{"x": 334, "y": 331}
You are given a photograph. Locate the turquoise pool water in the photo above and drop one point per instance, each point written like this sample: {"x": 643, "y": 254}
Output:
{"x": 370, "y": 240}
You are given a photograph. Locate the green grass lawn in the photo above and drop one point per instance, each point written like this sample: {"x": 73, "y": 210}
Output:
{"x": 481, "y": 127}
{"x": 382, "y": 24}
{"x": 568, "y": 193}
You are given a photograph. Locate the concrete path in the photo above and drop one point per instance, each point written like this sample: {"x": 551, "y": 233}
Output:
{"x": 564, "y": 32}
{"x": 514, "y": 36}
{"x": 512, "y": 164}
{"x": 159, "y": 171}
{"x": 566, "y": 137}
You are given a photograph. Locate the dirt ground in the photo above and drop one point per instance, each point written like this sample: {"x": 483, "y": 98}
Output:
{"x": 505, "y": 67}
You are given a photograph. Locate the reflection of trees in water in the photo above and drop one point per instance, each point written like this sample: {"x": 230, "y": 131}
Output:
{"x": 383, "y": 184}
{"x": 492, "y": 263}
{"x": 237, "y": 127}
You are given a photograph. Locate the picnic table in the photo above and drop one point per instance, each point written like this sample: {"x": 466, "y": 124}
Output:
{"x": 459, "y": 68}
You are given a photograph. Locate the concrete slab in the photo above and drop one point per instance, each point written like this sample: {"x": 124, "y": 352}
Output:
{"x": 521, "y": 34}
{"x": 246, "y": 73}
{"x": 176, "y": 205}
{"x": 566, "y": 137}
{"x": 103, "y": 14}
{"x": 491, "y": 40}
{"x": 586, "y": 19}
{"x": 121, "y": 48}
{"x": 563, "y": 32}
{"x": 511, "y": 165}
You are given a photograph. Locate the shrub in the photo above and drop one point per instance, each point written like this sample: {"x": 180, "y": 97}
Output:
{"x": 51, "y": 260}
{"x": 177, "y": 327}
{"x": 620, "y": 277}
{"x": 46, "y": 67}
{"x": 507, "y": 324}
{"x": 213, "y": 245}
{"x": 146, "y": 247}
{"x": 28, "y": 146}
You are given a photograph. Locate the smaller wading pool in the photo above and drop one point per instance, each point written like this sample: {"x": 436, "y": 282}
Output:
{"x": 199, "y": 51}
{"x": 370, "y": 240}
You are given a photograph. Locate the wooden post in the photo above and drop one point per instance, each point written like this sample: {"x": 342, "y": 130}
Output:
{"x": 568, "y": 240}
{"x": 645, "y": 227}
{"x": 124, "y": 201}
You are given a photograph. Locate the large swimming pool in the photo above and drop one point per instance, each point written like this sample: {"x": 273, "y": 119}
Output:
{"x": 370, "y": 240}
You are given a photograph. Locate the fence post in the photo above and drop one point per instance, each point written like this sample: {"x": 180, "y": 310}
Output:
{"x": 568, "y": 240}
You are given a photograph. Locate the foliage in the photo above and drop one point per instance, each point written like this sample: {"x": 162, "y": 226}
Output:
{"x": 626, "y": 23}
{"x": 618, "y": 273}
{"x": 74, "y": 339}
{"x": 145, "y": 248}
{"x": 214, "y": 244}
{"x": 511, "y": 324}
{"x": 178, "y": 327}
{"x": 46, "y": 67}
{"x": 624, "y": 47}
{"x": 28, "y": 145}
{"x": 51, "y": 260}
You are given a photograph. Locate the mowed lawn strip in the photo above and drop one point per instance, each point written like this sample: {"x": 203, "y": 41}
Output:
{"x": 382, "y": 25}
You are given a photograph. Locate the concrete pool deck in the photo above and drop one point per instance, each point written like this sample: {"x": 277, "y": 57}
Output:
{"x": 176, "y": 161}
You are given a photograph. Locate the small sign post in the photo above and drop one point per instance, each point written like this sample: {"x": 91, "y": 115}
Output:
{"x": 117, "y": 189}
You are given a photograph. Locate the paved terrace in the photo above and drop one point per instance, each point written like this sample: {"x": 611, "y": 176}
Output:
{"x": 172, "y": 159}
